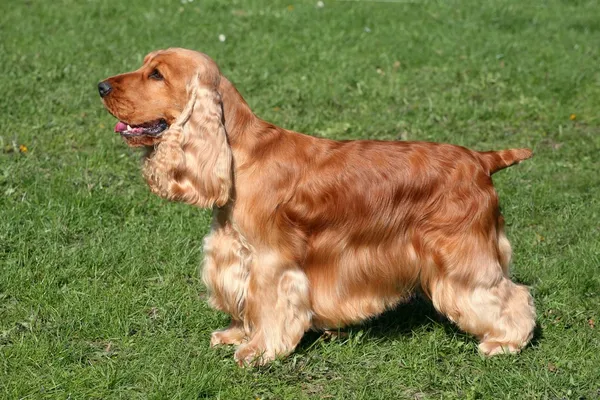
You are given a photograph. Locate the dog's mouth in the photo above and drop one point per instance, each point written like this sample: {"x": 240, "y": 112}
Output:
{"x": 152, "y": 128}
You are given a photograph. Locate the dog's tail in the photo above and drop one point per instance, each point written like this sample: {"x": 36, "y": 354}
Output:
{"x": 494, "y": 161}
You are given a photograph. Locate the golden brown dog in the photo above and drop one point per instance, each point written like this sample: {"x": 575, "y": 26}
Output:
{"x": 315, "y": 233}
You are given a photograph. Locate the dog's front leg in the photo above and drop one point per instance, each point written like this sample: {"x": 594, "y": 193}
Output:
{"x": 226, "y": 273}
{"x": 233, "y": 334}
{"x": 278, "y": 310}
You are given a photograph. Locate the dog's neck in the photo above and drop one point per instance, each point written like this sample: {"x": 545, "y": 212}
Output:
{"x": 238, "y": 116}
{"x": 245, "y": 131}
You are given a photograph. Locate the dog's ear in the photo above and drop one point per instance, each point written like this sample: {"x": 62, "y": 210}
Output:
{"x": 207, "y": 152}
{"x": 194, "y": 162}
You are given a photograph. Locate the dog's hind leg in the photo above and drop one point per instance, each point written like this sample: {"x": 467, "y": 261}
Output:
{"x": 504, "y": 249}
{"x": 278, "y": 311}
{"x": 475, "y": 292}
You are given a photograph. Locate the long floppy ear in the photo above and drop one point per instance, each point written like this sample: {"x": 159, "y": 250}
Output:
{"x": 194, "y": 162}
{"x": 208, "y": 155}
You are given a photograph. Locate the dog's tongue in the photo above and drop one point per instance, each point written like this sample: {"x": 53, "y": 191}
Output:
{"x": 120, "y": 127}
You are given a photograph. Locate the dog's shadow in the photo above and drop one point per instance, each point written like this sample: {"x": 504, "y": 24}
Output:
{"x": 403, "y": 320}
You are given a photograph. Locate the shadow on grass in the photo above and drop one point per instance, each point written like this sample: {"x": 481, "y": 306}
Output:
{"x": 416, "y": 314}
{"x": 402, "y": 320}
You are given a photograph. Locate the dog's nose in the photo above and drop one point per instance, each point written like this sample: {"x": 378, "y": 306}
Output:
{"x": 104, "y": 88}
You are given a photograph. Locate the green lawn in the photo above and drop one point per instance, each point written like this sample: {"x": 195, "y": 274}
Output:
{"x": 100, "y": 295}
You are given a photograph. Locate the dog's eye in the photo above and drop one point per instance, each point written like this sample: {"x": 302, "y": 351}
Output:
{"x": 156, "y": 75}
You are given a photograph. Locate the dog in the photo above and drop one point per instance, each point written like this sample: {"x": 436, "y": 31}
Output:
{"x": 312, "y": 233}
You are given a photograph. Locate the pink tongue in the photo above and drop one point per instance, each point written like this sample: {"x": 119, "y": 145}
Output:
{"x": 120, "y": 127}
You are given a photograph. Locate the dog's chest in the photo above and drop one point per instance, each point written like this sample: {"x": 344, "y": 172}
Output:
{"x": 226, "y": 269}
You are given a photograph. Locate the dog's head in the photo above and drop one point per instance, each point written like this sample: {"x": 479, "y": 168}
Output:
{"x": 150, "y": 99}
{"x": 173, "y": 104}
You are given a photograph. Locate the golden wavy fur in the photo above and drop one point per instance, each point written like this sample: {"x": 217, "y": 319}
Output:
{"x": 315, "y": 233}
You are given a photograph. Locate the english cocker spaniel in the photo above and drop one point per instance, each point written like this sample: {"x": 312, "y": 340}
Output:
{"x": 312, "y": 233}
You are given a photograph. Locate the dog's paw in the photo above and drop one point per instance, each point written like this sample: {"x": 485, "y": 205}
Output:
{"x": 248, "y": 355}
{"x": 493, "y": 348}
{"x": 227, "y": 337}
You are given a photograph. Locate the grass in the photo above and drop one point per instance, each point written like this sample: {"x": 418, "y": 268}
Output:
{"x": 99, "y": 288}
